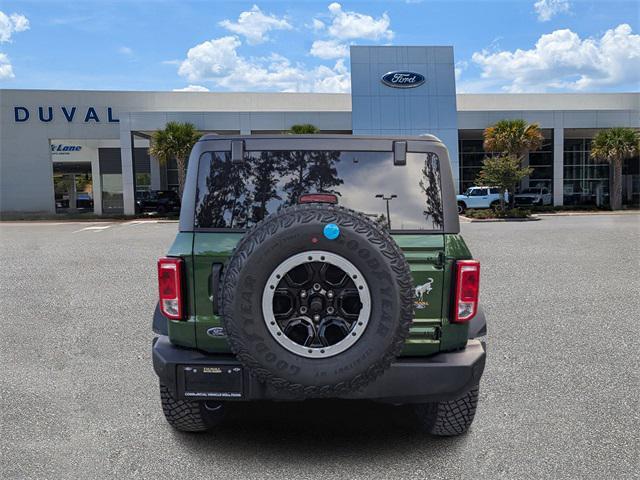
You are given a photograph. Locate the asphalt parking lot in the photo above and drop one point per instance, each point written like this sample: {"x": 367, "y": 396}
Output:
{"x": 559, "y": 398}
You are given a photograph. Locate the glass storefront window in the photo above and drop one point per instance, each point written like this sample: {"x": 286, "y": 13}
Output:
{"x": 542, "y": 163}
{"x": 143, "y": 182}
{"x": 172, "y": 175}
{"x": 112, "y": 201}
{"x": 586, "y": 181}
{"x": 73, "y": 187}
{"x": 472, "y": 155}
{"x": 111, "y": 176}
{"x": 142, "y": 169}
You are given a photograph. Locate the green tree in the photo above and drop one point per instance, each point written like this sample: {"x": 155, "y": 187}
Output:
{"x": 513, "y": 138}
{"x": 504, "y": 172}
{"x": 175, "y": 141}
{"x": 614, "y": 146}
{"x": 304, "y": 129}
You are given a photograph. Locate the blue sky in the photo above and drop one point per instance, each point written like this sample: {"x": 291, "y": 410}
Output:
{"x": 506, "y": 46}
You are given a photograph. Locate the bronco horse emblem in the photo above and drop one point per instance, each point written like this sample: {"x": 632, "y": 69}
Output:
{"x": 421, "y": 291}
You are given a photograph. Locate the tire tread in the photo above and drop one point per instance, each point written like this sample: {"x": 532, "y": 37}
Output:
{"x": 451, "y": 417}
{"x": 181, "y": 414}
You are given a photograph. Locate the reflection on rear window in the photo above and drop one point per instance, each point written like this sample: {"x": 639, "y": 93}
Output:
{"x": 238, "y": 195}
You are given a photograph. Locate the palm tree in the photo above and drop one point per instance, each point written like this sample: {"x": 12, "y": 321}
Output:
{"x": 514, "y": 139}
{"x": 304, "y": 128}
{"x": 614, "y": 146}
{"x": 175, "y": 141}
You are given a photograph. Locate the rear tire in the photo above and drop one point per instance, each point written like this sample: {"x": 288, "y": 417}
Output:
{"x": 448, "y": 418}
{"x": 188, "y": 416}
{"x": 495, "y": 206}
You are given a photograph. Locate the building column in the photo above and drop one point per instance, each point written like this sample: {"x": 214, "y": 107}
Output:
{"x": 96, "y": 183}
{"x": 126, "y": 159}
{"x": 558, "y": 166}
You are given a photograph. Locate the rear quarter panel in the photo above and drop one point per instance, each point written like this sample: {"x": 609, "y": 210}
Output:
{"x": 454, "y": 336}
{"x": 182, "y": 332}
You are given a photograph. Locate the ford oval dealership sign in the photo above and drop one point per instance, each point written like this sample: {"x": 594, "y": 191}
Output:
{"x": 403, "y": 79}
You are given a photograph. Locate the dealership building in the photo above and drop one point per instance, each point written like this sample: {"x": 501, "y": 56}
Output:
{"x": 66, "y": 151}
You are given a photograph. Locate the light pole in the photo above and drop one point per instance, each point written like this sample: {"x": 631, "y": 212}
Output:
{"x": 387, "y": 199}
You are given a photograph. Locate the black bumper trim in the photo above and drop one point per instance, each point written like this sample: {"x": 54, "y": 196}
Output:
{"x": 443, "y": 376}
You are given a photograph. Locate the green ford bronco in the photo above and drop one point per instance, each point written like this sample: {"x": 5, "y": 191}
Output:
{"x": 319, "y": 266}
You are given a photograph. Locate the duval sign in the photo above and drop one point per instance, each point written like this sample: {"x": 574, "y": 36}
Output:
{"x": 402, "y": 79}
{"x": 47, "y": 114}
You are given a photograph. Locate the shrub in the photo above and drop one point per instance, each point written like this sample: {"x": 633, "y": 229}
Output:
{"x": 490, "y": 213}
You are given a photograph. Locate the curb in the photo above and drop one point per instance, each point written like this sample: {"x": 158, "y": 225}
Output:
{"x": 496, "y": 220}
{"x": 577, "y": 214}
{"x": 88, "y": 220}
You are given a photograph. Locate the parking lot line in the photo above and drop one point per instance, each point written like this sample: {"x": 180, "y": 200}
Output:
{"x": 94, "y": 228}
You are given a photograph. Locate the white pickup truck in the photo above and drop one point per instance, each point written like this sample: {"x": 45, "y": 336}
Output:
{"x": 480, "y": 197}
{"x": 534, "y": 196}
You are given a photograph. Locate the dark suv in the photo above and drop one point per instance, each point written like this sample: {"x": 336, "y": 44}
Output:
{"x": 319, "y": 266}
{"x": 159, "y": 201}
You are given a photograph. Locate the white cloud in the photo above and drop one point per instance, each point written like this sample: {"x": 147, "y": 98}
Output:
{"x": 562, "y": 60}
{"x": 125, "y": 51}
{"x": 317, "y": 25}
{"x": 192, "y": 88}
{"x": 547, "y": 9}
{"x": 10, "y": 24}
{"x": 6, "y": 70}
{"x": 218, "y": 61}
{"x": 210, "y": 59}
{"x": 328, "y": 49}
{"x": 351, "y": 25}
{"x": 345, "y": 25}
{"x": 331, "y": 80}
{"x": 254, "y": 25}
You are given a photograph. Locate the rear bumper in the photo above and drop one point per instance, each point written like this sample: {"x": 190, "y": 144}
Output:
{"x": 443, "y": 376}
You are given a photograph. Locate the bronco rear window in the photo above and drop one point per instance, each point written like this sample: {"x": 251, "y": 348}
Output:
{"x": 238, "y": 195}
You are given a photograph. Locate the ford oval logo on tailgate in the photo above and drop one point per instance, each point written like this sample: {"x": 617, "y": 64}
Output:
{"x": 403, "y": 79}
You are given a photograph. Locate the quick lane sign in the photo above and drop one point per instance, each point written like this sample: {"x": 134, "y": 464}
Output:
{"x": 61, "y": 149}
{"x": 47, "y": 114}
{"x": 403, "y": 79}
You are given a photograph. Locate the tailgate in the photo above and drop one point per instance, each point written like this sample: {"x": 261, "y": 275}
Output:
{"x": 423, "y": 252}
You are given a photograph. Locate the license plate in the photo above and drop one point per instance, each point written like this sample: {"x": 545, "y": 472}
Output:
{"x": 220, "y": 381}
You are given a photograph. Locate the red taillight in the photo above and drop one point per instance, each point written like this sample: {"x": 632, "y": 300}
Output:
{"x": 318, "y": 198}
{"x": 467, "y": 290}
{"x": 170, "y": 287}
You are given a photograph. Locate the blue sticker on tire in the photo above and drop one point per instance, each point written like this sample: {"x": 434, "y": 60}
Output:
{"x": 331, "y": 231}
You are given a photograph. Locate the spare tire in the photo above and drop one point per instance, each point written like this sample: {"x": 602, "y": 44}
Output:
{"x": 317, "y": 300}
